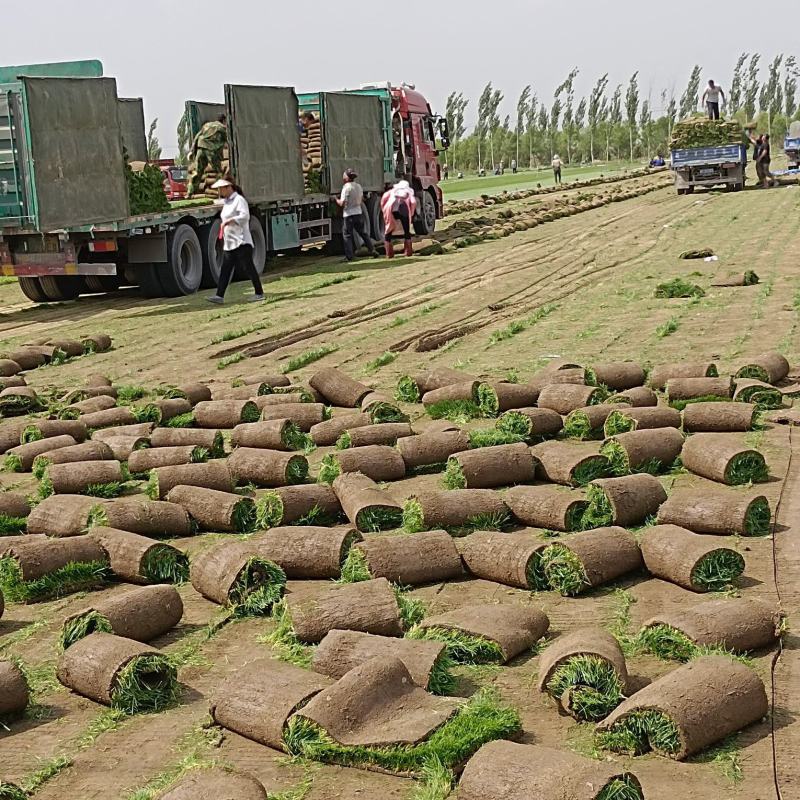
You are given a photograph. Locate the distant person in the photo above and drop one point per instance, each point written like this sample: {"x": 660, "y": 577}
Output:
{"x": 711, "y": 98}
{"x": 481, "y": 173}
{"x": 658, "y": 161}
{"x": 556, "y": 165}
{"x": 764, "y": 157}
{"x": 460, "y": 175}
{"x": 398, "y": 205}
{"x": 237, "y": 241}
{"x": 350, "y": 202}
{"x": 513, "y": 166}
{"x": 756, "y": 141}
{"x": 445, "y": 172}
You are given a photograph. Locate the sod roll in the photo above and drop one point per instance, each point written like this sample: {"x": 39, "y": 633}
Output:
{"x": 454, "y": 509}
{"x": 96, "y": 379}
{"x": 499, "y": 396}
{"x": 61, "y": 515}
{"x": 21, "y": 457}
{"x": 81, "y": 476}
{"x": 379, "y": 462}
{"x": 625, "y": 419}
{"x": 273, "y": 434}
{"x": 736, "y": 624}
{"x": 412, "y": 559}
{"x": 747, "y": 278}
{"x": 532, "y": 423}
{"x": 719, "y": 417}
{"x": 587, "y": 422}
{"x": 144, "y": 429}
{"x": 139, "y": 559}
{"x": 91, "y": 404}
{"x": 618, "y": 376}
{"x": 257, "y": 700}
{"x": 141, "y": 613}
{"x": 411, "y": 388}
{"x": 771, "y": 367}
{"x": 368, "y": 606}
{"x": 717, "y": 511}
{"x": 327, "y": 432}
{"x": 513, "y": 627}
{"x": 694, "y": 561}
{"x": 122, "y": 446}
{"x": 71, "y": 347}
{"x": 215, "y": 783}
{"x": 172, "y": 407}
{"x": 367, "y": 507}
{"x": 304, "y": 415}
{"x": 503, "y": 770}
{"x": 659, "y": 375}
{"x": 224, "y": 413}
{"x": 141, "y": 461}
{"x": 72, "y": 454}
{"x": 111, "y": 417}
{"x": 13, "y": 380}
{"x": 626, "y": 501}
{"x": 569, "y": 463}
{"x": 215, "y": 510}
{"x": 10, "y": 433}
{"x": 338, "y": 388}
{"x": 155, "y": 518}
{"x": 296, "y": 396}
{"x": 705, "y": 701}
{"x": 96, "y": 343}
{"x": 26, "y": 357}
{"x": 267, "y": 467}
{"x": 195, "y": 392}
{"x": 550, "y": 377}
{"x": 386, "y": 433}
{"x": 14, "y": 693}
{"x": 293, "y": 504}
{"x": 488, "y": 467}
{"x": 14, "y": 504}
{"x": 566, "y": 397}
{"x": 649, "y": 450}
{"x": 8, "y": 367}
{"x": 211, "y": 475}
{"x": 638, "y": 397}
{"x": 306, "y": 551}
{"x": 466, "y": 391}
{"x": 503, "y": 558}
{"x": 431, "y": 447}
{"x": 724, "y": 458}
{"x": 549, "y": 507}
{"x": 760, "y": 394}
{"x": 95, "y": 666}
{"x": 679, "y": 389}
{"x": 207, "y": 438}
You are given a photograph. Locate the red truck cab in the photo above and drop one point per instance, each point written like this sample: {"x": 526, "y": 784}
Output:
{"x": 175, "y": 177}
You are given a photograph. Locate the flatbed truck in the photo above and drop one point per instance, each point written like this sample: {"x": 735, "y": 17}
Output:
{"x": 709, "y": 166}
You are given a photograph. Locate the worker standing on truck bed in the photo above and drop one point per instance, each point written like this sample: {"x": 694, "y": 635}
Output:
{"x": 711, "y": 99}
{"x": 237, "y": 241}
{"x": 350, "y": 202}
{"x": 206, "y": 153}
{"x": 398, "y": 205}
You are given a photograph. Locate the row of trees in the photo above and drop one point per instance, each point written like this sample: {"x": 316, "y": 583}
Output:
{"x": 611, "y": 124}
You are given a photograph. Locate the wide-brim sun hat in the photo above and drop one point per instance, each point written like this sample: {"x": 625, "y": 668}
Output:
{"x": 220, "y": 183}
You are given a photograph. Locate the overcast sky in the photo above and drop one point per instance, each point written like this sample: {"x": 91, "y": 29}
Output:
{"x": 169, "y": 50}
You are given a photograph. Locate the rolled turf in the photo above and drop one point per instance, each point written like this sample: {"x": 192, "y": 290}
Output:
{"x": 305, "y": 504}
{"x": 638, "y": 397}
{"x": 138, "y": 559}
{"x": 338, "y": 388}
{"x": 566, "y": 397}
{"x": 378, "y": 462}
{"x": 623, "y": 420}
{"x": 71, "y": 454}
{"x": 208, "y": 438}
{"x": 651, "y": 450}
{"x": 95, "y": 478}
{"x": 457, "y": 511}
{"x": 531, "y": 423}
{"x": 588, "y": 422}
{"x": 723, "y": 458}
{"x": 719, "y": 417}
{"x": 618, "y": 376}
{"x": 269, "y": 468}
{"x": 367, "y": 507}
{"x": 14, "y": 510}
{"x": 549, "y": 507}
{"x": 570, "y": 463}
{"x": 489, "y": 467}
{"x": 210, "y": 475}
{"x": 717, "y": 511}
{"x": 626, "y": 501}
{"x": 659, "y": 375}
{"x": 14, "y": 691}
{"x": 771, "y": 367}
{"x": 430, "y": 448}
{"x": 760, "y": 394}
{"x": 214, "y": 510}
{"x": 411, "y": 388}
{"x": 499, "y": 396}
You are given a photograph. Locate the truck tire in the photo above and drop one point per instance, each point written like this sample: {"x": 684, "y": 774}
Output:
{"x": 425, "y": 218}
{"x": 146, "y": 276}
{"x": 102, "y": 283}
{"x": 377, "y": 225}
{"x": 60, "y": 287}
{"x": 32, "y": 289}
{"x": 182, "y": 273}
{"x": 212, "y": 254}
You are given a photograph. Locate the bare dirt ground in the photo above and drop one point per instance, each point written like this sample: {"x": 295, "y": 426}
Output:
{"x": 580, "y": 287}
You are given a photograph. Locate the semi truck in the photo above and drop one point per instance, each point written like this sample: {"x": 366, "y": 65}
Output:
{"x": 65, "y": 221}
{"x": 709, "y": 166}
{"x": 791, "y": 145}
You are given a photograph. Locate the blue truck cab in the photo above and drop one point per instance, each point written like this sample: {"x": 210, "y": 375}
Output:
{"x": 709, "y": 166}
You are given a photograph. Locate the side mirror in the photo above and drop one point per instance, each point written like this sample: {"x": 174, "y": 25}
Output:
{"x": 444, "y": 132}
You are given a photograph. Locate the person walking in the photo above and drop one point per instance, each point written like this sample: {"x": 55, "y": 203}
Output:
{"x": 513, "y": 166}
{"x": 556, "y": 164}
{"x": 711, "y": 99}
{"x": 237, "y": 241}
{"x": 398, "y": 205}
{"x": 764, "y": 157}
{"x": 350, "y": 202}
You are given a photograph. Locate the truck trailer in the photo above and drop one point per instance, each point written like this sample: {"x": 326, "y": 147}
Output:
{"x": 65, "y": 222}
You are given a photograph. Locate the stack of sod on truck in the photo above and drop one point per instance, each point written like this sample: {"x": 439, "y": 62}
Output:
{"x": 702, "y": 132}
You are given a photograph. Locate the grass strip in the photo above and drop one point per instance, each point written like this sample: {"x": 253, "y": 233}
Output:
{"x": 329, "y": 469}
{"x": 458, "y": 411}
{"x": 284, "y": 640}
{"x": 668, "y": 643}
{"x": 513, "y": 422}
{"x": 72, "y": 577}
{"x": 717, "y": 570}
{"x": 454, "y": 476}
{"x": 590, "y": 469}
{"x": 79, "y": 627}
{"x": 441, "y": 679}
{"x": 258, "y": 587}
{"x": 491, "y": 437}
{"x": 412, "y": 609}
{"x": 186, "y": 420}
{"x": 764, "y": 398}
{"x": 355, "y": 568}
{"x": 563, "y": 570}
{"x": 599, "y": 512}
{"x": 436, "y": 781}
{"x": 381, "y": 361}
{"x": 12, "y": 463}
{"x": 407, "y": 390}
{"x": 293, "y": 438}
{"x": 618, "y": 422}
{"x": 757, "y": 517}
{"x": 386, "y": 412}
{"x": 145, "y": 683}
{"x": 10, "y": 792}
{"x": 679, "y": 405}
{"x": 748, "y": 467}
{"x": 11, "y": 525}
{"x": 480, "y": 720}
{"x": 165, "y": 564}
{"x": 578, "y": 426}
{"x": 374, "y": 519}
{"x": 296, "y": 470}
{"x": 308, "y": 357}
{"x": 640, "y": 731}
{"x": 678, "y": 287}
{"x": 594, "y": 687}
{"x": 462, "y": 647}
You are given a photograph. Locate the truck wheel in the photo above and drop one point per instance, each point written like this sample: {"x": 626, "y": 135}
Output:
{"x": 60, "y": 287}
{"x": 212, "y": 254}
{"x": 425, "y": 218}
{"x": 183, "y": 272}
{"x": 377, "y": 225}
{"x": 259, "y": 245}
{"x": 32, "y": 289}
{"x": 102, "y": 283}
{"x": 146, "y": 276}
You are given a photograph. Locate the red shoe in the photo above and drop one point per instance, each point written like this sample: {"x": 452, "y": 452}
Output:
{"x": 408, "y": 248}
{"x": 389, "y": 249}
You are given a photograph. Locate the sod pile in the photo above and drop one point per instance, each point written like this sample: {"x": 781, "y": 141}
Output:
{"x": 455, "y": 510}
{"x": 432, "y": 447}
{"x": 660, "y": 374}
{"x": 386, "y": 433}
{"x": 304, "y": 415}
{"x": 95, "y": 478}
{"x": 569, "y": 463}
{"x": 305, "y": 504}
{"x": 307, "y": 552}
{"x": 21, "y": 457}
{"x": 498, "y": 396}
{"x": 691, "y": 560}
{"x": 624, "y": 419}
{"x": 722, "y": 457}
{"x": 651, "y": 450}
{"x": 233, "y": 575}
{"x": 411, "y": 559}
{"x": 760, "y": 394}
{"x": 485, "y": 633}
{"x": 550, "y": 507}
{"x": 638, "y": 397}
{"x": 411, "y": 388}
{"x": 214, "y": 783}
{"x": 213, "y": 510}
{"x": 41, "y": 569}
{"x": 489, "y": 467}
{"x": 207, "y": 438}
{"x": 686, "y": 710}
{"x": 269, "y": 468}
{"x": 92, "y": 451}
{"x": 717, "y": 511}
{"x": 701, "y": 132}
{"x": 426, "y": 661}
{"x": 257, "y": 700}
{"x": 771, "y": 367}
{"x": 14, "y": 693}
{"x": 376, "y": 461}
{"x": 585, "y": 672}
{"x": 117, "y": 672}
{"x": 733, "y": 624}
{"x": 210, "y": 475}
{"x": 504, "y": 770}
{"x": 367, "y": 507}
{"x": 139, "y": 559}
{"x": 627, "y": 501}
{"x": 587, "y": 422}
{"x": 225, "y": 413}
{"x": 327, "y": 432}
{"x": 14, "y": 511}
{"x": 338, "y": 388}
{"x": 531, "y": 423}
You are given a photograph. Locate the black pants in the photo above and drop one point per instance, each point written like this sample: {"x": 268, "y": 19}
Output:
{"x": 357, "y": 224}
{"x": 713, "y": 110}
{"x": 241, "y": 257}
{"x": 557, "y": 174}
{"x": 401, "y": 215}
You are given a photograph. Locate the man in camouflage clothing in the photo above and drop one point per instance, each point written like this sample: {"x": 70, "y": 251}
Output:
{"x": 206, "y": 153}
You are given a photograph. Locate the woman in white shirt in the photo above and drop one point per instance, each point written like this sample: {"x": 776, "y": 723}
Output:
{"x": 237, "y": 241}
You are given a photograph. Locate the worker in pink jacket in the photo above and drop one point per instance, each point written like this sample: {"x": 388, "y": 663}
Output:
{"x": 398, "y": 205}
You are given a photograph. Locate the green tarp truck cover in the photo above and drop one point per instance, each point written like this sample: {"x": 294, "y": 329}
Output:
{"x": 131, "y": 124}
